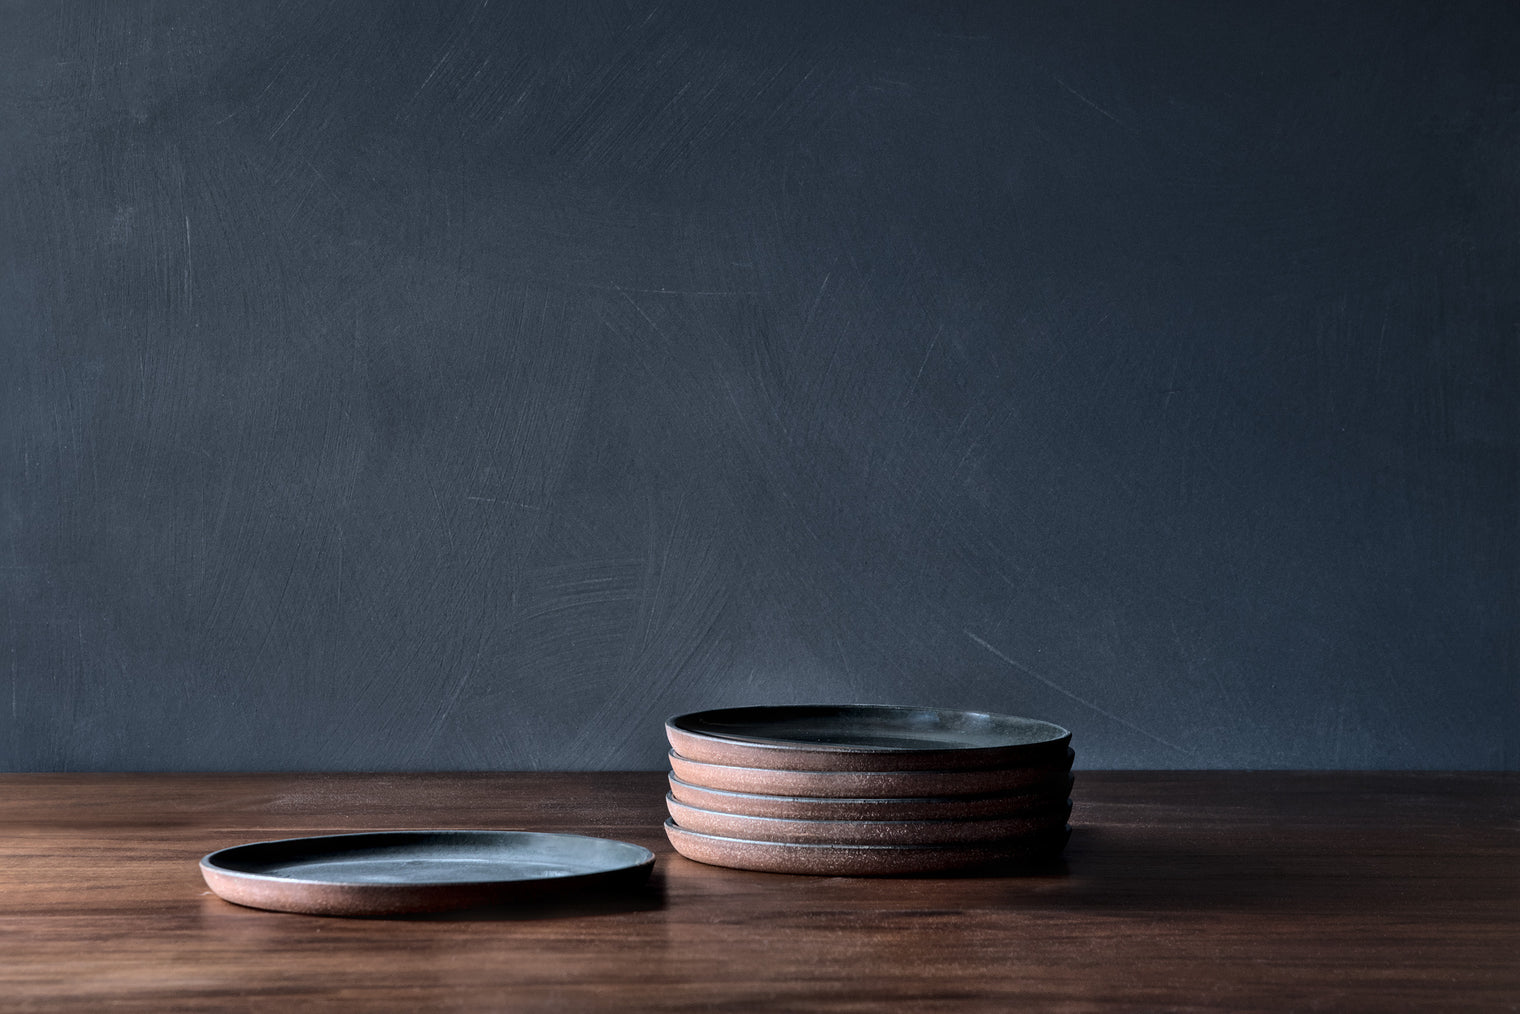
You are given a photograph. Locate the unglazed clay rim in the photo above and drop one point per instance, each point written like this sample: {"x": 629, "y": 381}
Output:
{"x": 970, "y": 832}
{"x": 990, "y": 805}
{"x": 735, "y": 750}
{"x": 861, "y": 784}
{"x": 814, "y": 859}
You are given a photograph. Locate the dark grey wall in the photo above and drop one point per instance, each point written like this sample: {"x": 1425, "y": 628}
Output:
{"x": 473, "y": 385}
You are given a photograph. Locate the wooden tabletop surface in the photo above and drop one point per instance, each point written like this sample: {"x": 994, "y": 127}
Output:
{"x": 1198, "y": 891}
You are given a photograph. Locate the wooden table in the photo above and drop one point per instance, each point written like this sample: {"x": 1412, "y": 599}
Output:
{"x": 1200, "y": 890}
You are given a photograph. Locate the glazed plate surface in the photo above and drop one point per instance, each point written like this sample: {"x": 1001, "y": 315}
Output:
{"x": 860, "y": 737}
{"x": 397, "y": 872}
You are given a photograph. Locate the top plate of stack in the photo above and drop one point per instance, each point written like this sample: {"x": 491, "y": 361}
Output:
{"x": 864, "y": 737}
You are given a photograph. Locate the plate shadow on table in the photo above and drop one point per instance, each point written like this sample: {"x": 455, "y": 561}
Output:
{"x": 1117, "y": 869}
{"x": 646, "y": 897}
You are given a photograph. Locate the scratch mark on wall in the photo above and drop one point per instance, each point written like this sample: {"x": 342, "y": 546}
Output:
{"x": 338, "y": 584}
{"x": 808, "y": 323}
{"x": 913, "y": 385}
{"x": 514, "y": 503}
{"x": 453, "y": 698}
{"x": 1092, "y": 105}
{"x": 647, "y": 319}
{"x": 189, "y": 295}
{"x": 625, "y": 289}
{"x": 10, "y": 624}
{"x": 1052, "y": 684}
{"x": 291, "y": 112}
{"x": 443, "y": 517}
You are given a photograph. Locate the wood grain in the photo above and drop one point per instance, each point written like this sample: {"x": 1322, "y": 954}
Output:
{"x": 1197, "y": 890}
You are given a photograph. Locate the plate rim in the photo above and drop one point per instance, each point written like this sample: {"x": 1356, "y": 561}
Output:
{"x": 670, "y": 799}
{"x": 1065, "y": 764}
{"x": 967, "y": 848}
{"x": 207, "y": 861}
{"x": 1068, "y": 775}
{"x": 673, "y": 722}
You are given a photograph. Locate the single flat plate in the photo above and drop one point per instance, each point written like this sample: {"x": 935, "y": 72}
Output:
{"x": 1004, "y": 831}
{"x": 751, "y": 804}
{"x": 866, "y": 784}
{"x": 396, "y": 872}
{"x": 863, "y": 737}
{"x": 859, "y": 860}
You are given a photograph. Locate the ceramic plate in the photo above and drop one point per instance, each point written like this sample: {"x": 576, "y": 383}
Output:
{"x": 1004, "y": 831}
{"x": 858, "y": 860}
{"x": 395, "y": 872}
{"x": 865, "y": 784}
{"x": 752, "y": 804}
{"x": 861, "y": 737}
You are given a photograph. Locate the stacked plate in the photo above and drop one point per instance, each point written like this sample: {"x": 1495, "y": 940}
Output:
{"x": 858, "y": 790}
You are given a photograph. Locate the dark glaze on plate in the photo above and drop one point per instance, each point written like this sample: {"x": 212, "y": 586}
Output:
{"x": 863, "y": 737}
{"x": 396, "y": 872}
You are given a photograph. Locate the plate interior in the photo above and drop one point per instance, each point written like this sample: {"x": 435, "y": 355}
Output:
{"x": 870, "y": 728}
{"x": 440, "y": 857}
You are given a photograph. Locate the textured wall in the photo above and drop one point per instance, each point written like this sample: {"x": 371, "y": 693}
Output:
{"x": 473, "y": 385}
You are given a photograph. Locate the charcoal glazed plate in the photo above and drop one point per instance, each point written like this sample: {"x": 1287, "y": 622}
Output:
{"x": 863, "y": 737}
{"x": 865, "y": 784}
{"x": 751, "y": 804}
{"x": 1003, "y": 831}
{"x": 859, "y": 860}
{"x": 397, "y": 872}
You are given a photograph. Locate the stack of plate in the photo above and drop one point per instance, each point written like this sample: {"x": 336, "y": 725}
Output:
{"x": 855, "y": 790}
